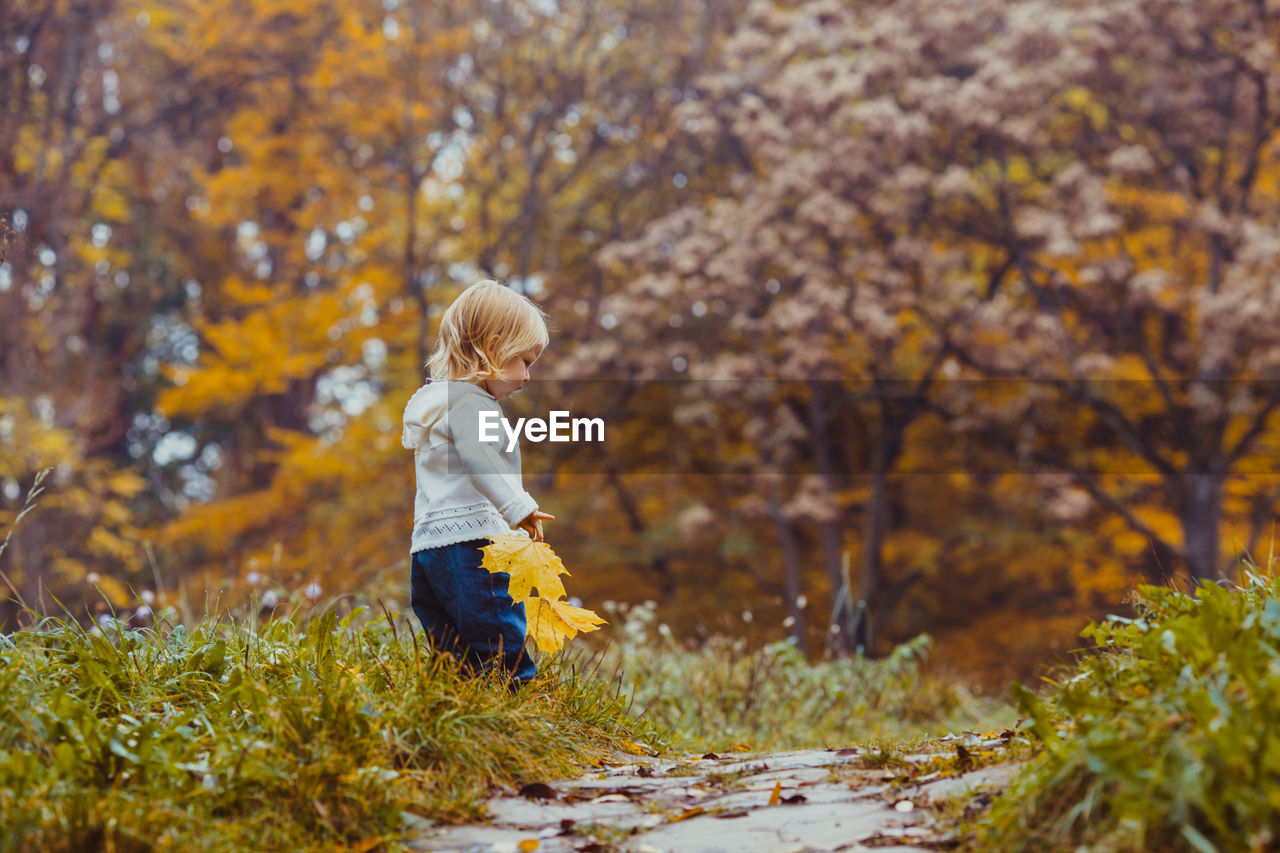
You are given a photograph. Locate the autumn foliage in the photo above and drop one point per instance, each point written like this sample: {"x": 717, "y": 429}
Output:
{"x": 965, "y": 310}
{"x": 534, "y": 571}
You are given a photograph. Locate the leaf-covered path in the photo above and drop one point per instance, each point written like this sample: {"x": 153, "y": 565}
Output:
{"x": 808, "y": 800}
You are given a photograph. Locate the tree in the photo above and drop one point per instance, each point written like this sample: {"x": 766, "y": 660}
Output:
{"x": 345, "y": 198}
{"x": 1122, "y": 214}
{"x": 78, "y": 291}
{"x": 932, "y": 191}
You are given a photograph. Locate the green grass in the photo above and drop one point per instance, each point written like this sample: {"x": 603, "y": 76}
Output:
{"x": 232, "y": 735}
{"x": 719, "y": 694}
{"x": 293, "y": 734}
{"x": 316, "y": 731}
{"x": 1167, "y": 738}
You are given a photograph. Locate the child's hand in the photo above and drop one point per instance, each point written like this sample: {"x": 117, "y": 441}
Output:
{"x": 533, "y": 524}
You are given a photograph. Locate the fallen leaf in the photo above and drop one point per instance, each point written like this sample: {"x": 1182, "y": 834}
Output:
{"x": 687, "y": 813}
{"x": 711, "y": 756}
{"x": 795, "y": 799}
{"x": 537, "y": 791}
{"x": 852, "y": 750}
{"x": 528, "y": 845}
{"x": 631, "y": 791}
{"x": 776, "y": 796}
{"x": 366, "y": 845}
{"x": 740, "y": 747}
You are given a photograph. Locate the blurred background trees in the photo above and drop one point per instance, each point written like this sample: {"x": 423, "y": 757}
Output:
{"x": 967, "y": 308}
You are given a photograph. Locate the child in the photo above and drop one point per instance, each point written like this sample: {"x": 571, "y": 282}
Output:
{"x": 470, "y": 490}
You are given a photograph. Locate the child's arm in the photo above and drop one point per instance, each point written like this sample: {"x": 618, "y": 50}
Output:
{"x": 495, "y": 473}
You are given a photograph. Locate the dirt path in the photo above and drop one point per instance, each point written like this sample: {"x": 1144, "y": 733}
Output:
{"x": 784, "y": 802}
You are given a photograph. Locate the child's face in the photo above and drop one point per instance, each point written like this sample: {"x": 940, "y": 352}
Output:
{"x": 513, "y": 375}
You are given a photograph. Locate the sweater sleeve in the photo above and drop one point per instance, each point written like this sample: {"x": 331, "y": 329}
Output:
{"x": 494, "y": 471}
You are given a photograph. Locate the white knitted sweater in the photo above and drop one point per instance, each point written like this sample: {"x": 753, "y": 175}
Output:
{"x": 467, "y": 489}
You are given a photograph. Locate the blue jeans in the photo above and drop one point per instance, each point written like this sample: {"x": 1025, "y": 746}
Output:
{"x": 467, "y": 609}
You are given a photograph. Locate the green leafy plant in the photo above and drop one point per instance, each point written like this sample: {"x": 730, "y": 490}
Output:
{"x": 1164, "y": 738}
{"x": 720, "y": 693}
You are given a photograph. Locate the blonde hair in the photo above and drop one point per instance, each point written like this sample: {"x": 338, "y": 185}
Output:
{"x": 484, "y": 327}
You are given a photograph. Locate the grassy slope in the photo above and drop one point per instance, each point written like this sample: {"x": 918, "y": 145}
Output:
{"x": 234, "y": 736}
{"x": 304, "y": 735}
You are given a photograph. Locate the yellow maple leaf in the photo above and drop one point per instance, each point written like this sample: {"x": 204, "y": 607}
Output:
{"x": 552, "y": 622}
{"x": 532, "y": 565}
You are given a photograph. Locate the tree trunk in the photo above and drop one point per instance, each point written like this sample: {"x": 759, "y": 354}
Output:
{"x": 790, "y": 566}
{"x": 841, "y": 643}
{"x": 658, "y": 565}
{"x": 412, "y": 281}
{"x": 872, "y": 581}
{"x": 1201, "y": 518}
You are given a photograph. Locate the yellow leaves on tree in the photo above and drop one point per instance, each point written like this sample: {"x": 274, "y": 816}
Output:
{"x": 89, "y": 500}
{"x": 535, "y": 580}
